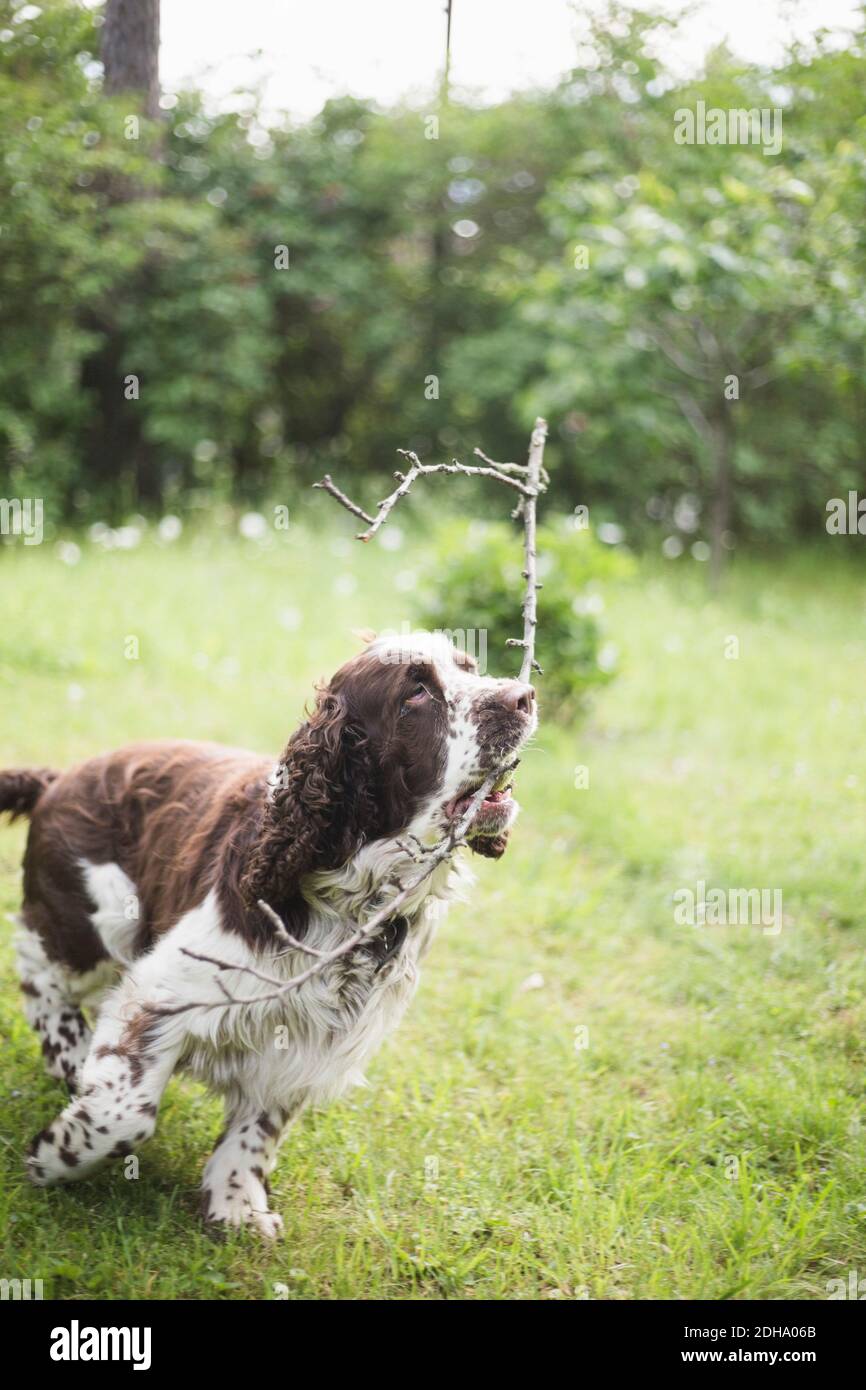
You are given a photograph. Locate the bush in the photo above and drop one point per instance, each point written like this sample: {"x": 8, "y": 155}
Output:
{"x": 473, "y": 583}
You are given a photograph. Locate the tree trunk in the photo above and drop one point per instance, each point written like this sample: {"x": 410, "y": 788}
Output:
{"x": 124, "y": 461}
{"x": 722, "y": 445}
{"x": 130, "y": 51}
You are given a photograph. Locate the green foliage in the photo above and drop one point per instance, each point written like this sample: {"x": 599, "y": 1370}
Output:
{"x": 473, "y": 584}
{"x": 412, "y": 258}
{"x": 717, "y": 269}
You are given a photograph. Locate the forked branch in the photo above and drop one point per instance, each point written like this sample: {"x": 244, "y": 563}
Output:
{"x": 528, "y": 480}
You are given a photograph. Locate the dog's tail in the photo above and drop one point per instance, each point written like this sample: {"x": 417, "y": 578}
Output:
{"x": 21, "y": 788}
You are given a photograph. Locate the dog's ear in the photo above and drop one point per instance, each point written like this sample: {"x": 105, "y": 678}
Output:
{"x": 491, "y": 846}
{"x": 322, "y": 807}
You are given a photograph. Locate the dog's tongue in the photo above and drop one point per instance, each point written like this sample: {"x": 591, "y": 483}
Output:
{"x": 461, "y": 806}
{"x": 500, "y": 791}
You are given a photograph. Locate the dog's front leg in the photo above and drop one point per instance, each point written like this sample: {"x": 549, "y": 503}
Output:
{"x": 235, "y": 1183}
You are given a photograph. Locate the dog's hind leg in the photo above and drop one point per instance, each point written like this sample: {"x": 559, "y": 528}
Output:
{"x": 52, "y": 1003}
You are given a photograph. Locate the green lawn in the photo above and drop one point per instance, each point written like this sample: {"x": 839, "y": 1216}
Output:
{"x": 491, "y": 1157}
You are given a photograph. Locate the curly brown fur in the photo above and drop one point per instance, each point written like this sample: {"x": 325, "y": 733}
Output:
{"x": 323, "y": 807}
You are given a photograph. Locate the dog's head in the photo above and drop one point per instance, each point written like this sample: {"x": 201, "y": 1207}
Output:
{"x": 399, "y": 741}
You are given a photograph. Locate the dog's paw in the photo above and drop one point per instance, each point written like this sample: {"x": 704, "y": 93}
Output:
{"x": 235, "y": 1209}
{"x": 69, "y": 1148}
{"x": 47, "y": 1160}
{"x": 34, "y": 1169}
{"x": 269, "y": 1224}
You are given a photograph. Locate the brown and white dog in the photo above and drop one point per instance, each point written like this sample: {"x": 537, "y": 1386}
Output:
{"x": 138, "y": 857}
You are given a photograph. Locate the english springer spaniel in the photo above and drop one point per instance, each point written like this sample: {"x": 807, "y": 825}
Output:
{"x": 139, "y": 857}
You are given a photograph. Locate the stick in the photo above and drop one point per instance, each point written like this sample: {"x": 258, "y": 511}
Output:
{"x": 530, "y": 600}
{"x": 405, "y": 482}
{"x": 535, "y": 482}
{"x": 341, "y": 497}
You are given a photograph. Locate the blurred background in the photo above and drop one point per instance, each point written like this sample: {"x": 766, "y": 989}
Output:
{"x": 457, "y": 259}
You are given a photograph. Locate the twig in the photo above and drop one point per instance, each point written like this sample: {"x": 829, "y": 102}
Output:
{"x": 536, "y": 480}
{"x": 503, "y": 467}
{"x": 522, "y": 468}
{"x": 471, "y": 470}
{"x": 341, "y": 497}
{"x": 530, "y": 598}
{"x": 292, "y": 942}
{"x": 406, "y": 480}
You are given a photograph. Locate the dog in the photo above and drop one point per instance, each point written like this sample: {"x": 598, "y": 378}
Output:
{"x": 142, "y": 877}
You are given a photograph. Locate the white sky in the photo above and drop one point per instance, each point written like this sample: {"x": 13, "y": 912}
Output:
{"x": 309, "y": 50}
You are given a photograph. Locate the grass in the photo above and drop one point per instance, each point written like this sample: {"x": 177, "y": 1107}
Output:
{"x": 706, "y": 1143}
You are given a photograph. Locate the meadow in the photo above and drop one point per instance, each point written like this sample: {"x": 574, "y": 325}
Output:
{"x": 586, "y": 1099}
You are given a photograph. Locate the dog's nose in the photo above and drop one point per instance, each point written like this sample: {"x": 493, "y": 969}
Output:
{"x": 517, "y": 697}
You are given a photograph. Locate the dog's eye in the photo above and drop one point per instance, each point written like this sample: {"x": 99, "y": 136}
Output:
{"x": 419, "y": 695}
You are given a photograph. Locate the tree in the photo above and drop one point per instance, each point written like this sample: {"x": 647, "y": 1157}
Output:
{"x": 130, "y": 51}
{"x": 690, "y": 284}
{"x": 156, "y": 248}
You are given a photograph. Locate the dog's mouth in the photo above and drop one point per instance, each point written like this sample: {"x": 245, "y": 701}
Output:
{"x": 496, "y": 812}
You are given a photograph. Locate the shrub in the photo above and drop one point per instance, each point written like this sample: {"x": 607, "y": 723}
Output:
{"x": 473, "y": 583}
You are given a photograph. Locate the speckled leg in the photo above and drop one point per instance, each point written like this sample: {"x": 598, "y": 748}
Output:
{"x": 52, "y": 993}
{"x": 131, "y": 1058}
{"x": 234, "y": 1187}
